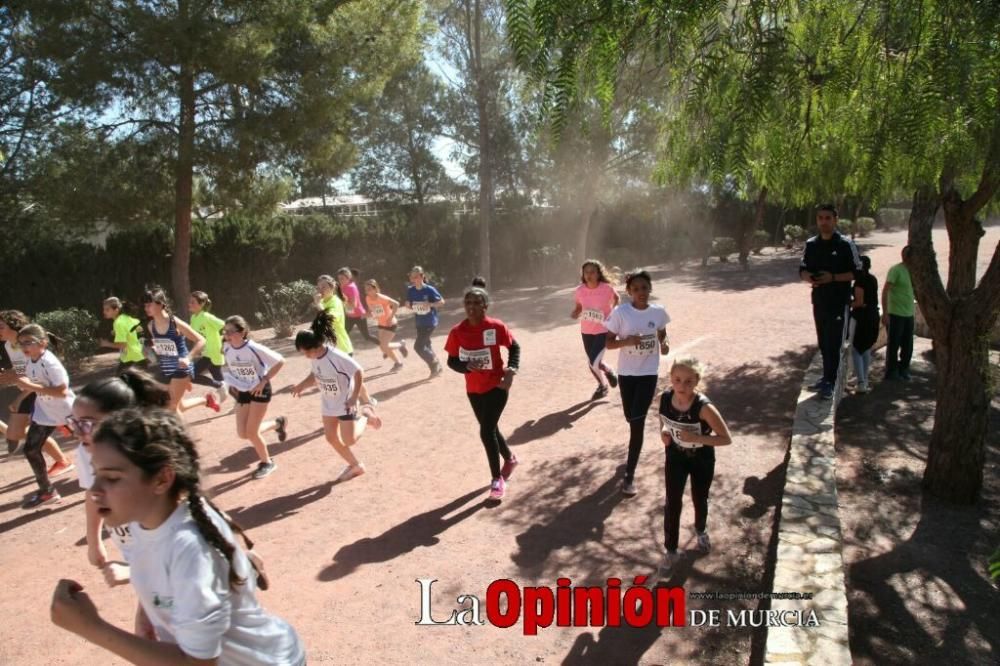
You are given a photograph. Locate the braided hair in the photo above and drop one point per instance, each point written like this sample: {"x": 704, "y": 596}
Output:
{"x": 319, "y": 332}
{"x": 155, "y": 439}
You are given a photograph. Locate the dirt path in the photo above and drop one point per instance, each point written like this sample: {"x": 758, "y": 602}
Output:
{"x": 344, "y": 558}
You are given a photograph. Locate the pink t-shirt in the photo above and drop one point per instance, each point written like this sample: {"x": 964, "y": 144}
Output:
{"x": 381, "y": 310}
{"x": 351, "y": 294}
{"x": 597, "y": 304}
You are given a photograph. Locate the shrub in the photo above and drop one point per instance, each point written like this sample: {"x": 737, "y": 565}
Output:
{"x": 76, "y": 330}
{"x": 889, "y": 218}
{"x": 722, "y": 247}
{"x": 285, "y": 304}
{"x": 759, "y": 241}
{"x": 863, "y": 226}
{"x": 794, "y": 234}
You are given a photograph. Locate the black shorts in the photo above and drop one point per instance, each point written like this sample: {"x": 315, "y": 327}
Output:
{"x": 245, "y": 397}
{"x": 392, "y": 328}
{"x": 27, "y": 405}
{"x": 348, "y": 417}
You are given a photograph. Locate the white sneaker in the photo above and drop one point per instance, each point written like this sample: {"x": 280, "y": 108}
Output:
{"x": 704, "y": 544}
{"x": 222, "y": 393}
{"x": 351, "y": 472}
{"x": 670, "y": 560}
{"x": 629, "y": 489}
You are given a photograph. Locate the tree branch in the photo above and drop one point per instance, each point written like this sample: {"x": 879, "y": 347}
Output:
{"x": 934, "y": 300}
{"x": 990, "y": 180}
{"x": 986, "y": 296}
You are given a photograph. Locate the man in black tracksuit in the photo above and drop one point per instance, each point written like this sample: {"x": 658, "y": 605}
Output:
{"x": 829, "y": 265}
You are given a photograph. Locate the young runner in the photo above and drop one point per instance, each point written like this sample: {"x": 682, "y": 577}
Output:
{"x": 595, "y": 298}
{"x": 249, "y": 369}
{"x": 383, "y": 312}
{"x": 637, "y": 328}
{"x": 209, "y": 327}
{"x": 473, "y": 348}
{"x": 196, "y": 586}
{"x": 424, "y": 300}
{"x": 340, "y": 380}
{"x": 353, "y": 304}
{"x": 12, "y": 321}
{"x": 690, "y": 427}
{"x": 93, "y": 403}
{"x": 329, "y": 300}
{"x": 46, "y": 377}
{"x": 169, "y": 336}
{"x": 126, "y": 333}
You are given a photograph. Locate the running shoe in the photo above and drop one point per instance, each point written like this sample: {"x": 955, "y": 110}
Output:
{"x": 704, "y": 543}
{"x": 281, "y": 427}
{"x": 629, "y": 489}
{"x": 14, "y": 448}
{"x": 817, "y": 385}
{"x": 212, "y": 402}
{"x": 862, "y": 388}
{"x": 222, "y": 393}
{"x": 264, "y": 469}
{"x": 351, "y": 472}
{"x": 396, "y": 367}
{"x": 59, "y": 468}
{"x": 40, "y": 498}
{"x": 497, "y": 488}
{"x": 508, "y": 468}
{"x": 437, "y": 369}
{"x": 826, "y": 392}
{"x": 402, "y": 348}
{"x": 670, "y": 560}
{"x": 374, "y": 421}
{"x": 600, "y": 392}
{"x": 612, "y": 378}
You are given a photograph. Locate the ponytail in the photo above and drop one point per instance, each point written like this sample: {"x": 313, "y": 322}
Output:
{"x": 39, "y": 333}
{"x": 318, "y": 333}
{"x": 203, "y": 300}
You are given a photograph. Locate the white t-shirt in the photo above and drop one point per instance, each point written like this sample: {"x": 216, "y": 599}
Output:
{"x": 122, "y": 535}
{"x": 334, "y": 372}
{"x": 246, "y": 365}
{"x": 625, "y": 321}
{"x": 18, "y": 359}
{"x": 48, "y": 372}
{"x": 183, "y": 585}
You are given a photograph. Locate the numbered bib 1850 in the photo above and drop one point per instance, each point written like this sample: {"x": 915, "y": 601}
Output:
{"x": 646, "y": 346}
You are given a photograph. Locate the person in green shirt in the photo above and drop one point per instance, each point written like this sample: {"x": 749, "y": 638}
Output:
{"x": 125, "y": 329}
{"x": 210, "y": 327}
{"x": 898, "y": 317}
{"x": 328, "y": 298}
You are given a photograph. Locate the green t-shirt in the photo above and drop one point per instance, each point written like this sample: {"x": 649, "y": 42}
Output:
{"x": 900, "y": 299}
{"x": 335, "y": 307}
{"x": 210, "y": 328}
{"x": 126, "y": 330}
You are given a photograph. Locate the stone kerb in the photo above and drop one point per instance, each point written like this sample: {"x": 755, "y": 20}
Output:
{"x": 810, "y": 546}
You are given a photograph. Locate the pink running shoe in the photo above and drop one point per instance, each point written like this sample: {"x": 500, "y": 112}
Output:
{"x": 212, "y": 402}
{"x": 497, "y": 488}
{"x": 508, "y": 468}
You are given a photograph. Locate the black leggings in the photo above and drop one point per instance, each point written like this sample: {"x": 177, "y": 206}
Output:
{"x": 204, "y": 364}
{"x": 701, "y": 467}
{"x": 637, "y": 395}
{"x": 362, "y": 325}
{"x": 422, "y": 345}
{"x": 37, "y": 434}
{"x": 488, "y": 407}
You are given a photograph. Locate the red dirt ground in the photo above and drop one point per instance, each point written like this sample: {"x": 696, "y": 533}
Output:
{"x": 344, "y": 558}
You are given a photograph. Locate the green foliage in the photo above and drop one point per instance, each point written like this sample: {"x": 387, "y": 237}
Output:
{"x": 863, "y": 226}
{"x": 283, "y": 305}
{"x": 994, "y": 566}
{"x": 759, "y": 241}
{"x": 76, "y": 330}
{"x": 722, "y": 247}
{"x": 795, "y": 234}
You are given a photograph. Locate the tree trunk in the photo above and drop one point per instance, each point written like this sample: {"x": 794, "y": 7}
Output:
{"x": 181, "y": 263}
{"x": 746, "y": 239}
{"x": 485, "y": 147}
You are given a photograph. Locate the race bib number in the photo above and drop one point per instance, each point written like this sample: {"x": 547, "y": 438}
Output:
{"x": 122, "y": 534}
{"x": 244, "y": 371}
{"x": 331, "y": 389}
{"x": 595, "y": 316}
{"x": 490, "y": 337}
{"x": 164, "y": 347}
{"x": 20, "y": 368}
{"x": 377, "y": 312}
{"x": 646, "y": 346}
{"x": 421, "y": 307}
{"x": 673, "y": 428}
{"x": 477, "y": 359}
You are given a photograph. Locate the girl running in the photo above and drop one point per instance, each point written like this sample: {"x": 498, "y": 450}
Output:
{"x": 383, "y": 311}
{"x": 424, "y": 300}
{"x": 691, "y": 428}
{"x": 12, "y": 321}
{"x": 473, "y": 348}
{"x": 196, "y": 586}
{"x": 595, "y": 298}
{"x": 126, "y": 334}
{"x": 354, "y": 305}
{"x": 170, "y": 336}
{"x": 93, "y": 403}
{"x": 328, "y": 299}
{"x": 249, "y": 369}
{"x": 46, "y": 377}
{"x": 638, "y": 329}
{"x": 209, "y": 327}
{"x": 340, "y": 380}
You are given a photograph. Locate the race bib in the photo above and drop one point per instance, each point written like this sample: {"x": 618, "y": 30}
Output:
{"x": 20, "y": 368}
{"x": 164, "y": 347}
{"x": 372, "y": 322}
{"x": 122, "y": 534}
{"x": 595, "y": 316}
{"x": 674, "y": 427}
{"x": 330, "y": 389}
{"x": 377, "y": 312}
{"x": 245, "y": 371}
{"x": 421, "y": 307}
{"x": 490, "y": 337}
{"x": 646, "y": 346}
{"x": 478, "y": 359}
